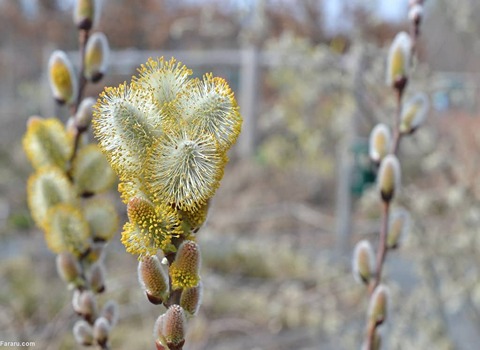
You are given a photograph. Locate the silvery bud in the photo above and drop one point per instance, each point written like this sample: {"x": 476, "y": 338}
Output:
{"x": 397, "y": 227}
{"x": 363, "y": 262}
{"x": 398, "y": 65}
{"x": 415, "y": 14}
{"x": 96, "y": 57}
{"x": 62, "y": 78}
{"x": 153, "y": 279}
{"x": 389, "y": 177}
{"x": 380, "y": 142}
{"x": 191, "y": 299}
{"x": 85, "y": 304}
{"x": 110, "y": 312}
{"x": 97, "y": 277}
{"x": 377, "y": 309}
{"x": 85, "y": 13}
{"x": 413, "y": 113}
{"x": 69, "y": 269}
{"x": 83, "y": 333}
{"x": 101, "y": 330}
{"x": 170, "y": 328}
{"x": 84, "y": 114}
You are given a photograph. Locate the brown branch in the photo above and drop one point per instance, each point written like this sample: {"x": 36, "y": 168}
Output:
{"x": 82, "y": 41}
{"x": 382, "y": 248}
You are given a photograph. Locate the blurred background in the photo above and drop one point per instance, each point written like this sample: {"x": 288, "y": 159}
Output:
{"x": 297, "y": 194}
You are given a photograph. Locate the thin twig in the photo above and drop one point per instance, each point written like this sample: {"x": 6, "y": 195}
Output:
{"x": 82, "y": 41}
{"x": 382, "y": 248}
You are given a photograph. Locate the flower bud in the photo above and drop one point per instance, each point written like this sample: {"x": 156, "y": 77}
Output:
{"x": 184, "y": 270}
{"x": 377, "y": 309}
{"x": 67, "y": 230}
{"x": 83, "y": 333}
{"x": 398, "y": 64}
{"x": 47, "y": 188}
{"x": 170, "y": 327}
{"x": 85, "y": 304}
{"x": 102, "y": 218}
{"x": 389, "y": 177}
{"x": 85, "y": 13}
{"x": 415, "y": 14}
{"x": 153, "y": 279}
{"x": 380, "y": 142}
{"x": 91, "y": 171}
{"x": 97, "y": 277}
{"x": 47, "y": 143}
{"x": 397, "y": 227}
{"x": 414, "y": 113}
{"x": 101, "y": 330}
{"x": 110, "y": 312}
{"x": 96, "y": 57}
{"x": 191, "y": 299}
{"x": 69, "y": 269}
{"x": 363, "y": 262}
{"x": 160, "y": 341}
{"x": 63, "y": 81}
{"x": 84, "y": 114}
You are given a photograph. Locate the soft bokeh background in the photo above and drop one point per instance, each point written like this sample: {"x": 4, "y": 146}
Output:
{"x": 309, "y": 77}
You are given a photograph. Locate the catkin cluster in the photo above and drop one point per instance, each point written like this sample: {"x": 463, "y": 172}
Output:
{"x": 166, "y": 135}
{"x": 69, "y": 174}
{"x": 383, "y": 149}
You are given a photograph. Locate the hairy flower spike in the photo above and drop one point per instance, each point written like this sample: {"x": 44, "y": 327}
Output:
{"x": 91, "y": 172}
{"x": 389, "y": 177}
{"x": 153, "y": 279}
{"x": 380, "y": 142}
{"x": 185, "y": 169}
{"x": 413, "y": 114}
{"x": 66, "y": 230}
{"x": 162, "y": 80}
{"x": 132, "y": 189}
{"x": 150, "y": 228}
{"x": 124, "y": 126}
{"x": 184, "y": 270}
{"x": 46, "y": 188}
{"x": 210, "y": 105}
{"x": 194, "y": 220}
{"x": 363, "y": 262}
{"x": 47, "y": 143}
{"x": 96, "y": 57}
{"x": 62, "y": 78}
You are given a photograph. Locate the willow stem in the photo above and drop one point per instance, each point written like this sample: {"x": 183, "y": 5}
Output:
{"x": 382, "y": 248}
{"x": 372, "y": 326}
{"x": 82, "y": 40}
